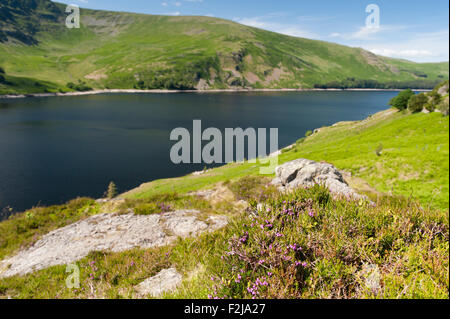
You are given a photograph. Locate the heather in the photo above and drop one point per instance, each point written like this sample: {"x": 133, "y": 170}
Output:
{"x": 307, "y": 245}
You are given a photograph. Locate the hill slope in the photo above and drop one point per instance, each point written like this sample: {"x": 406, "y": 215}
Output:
{"x": 125, "y": 50}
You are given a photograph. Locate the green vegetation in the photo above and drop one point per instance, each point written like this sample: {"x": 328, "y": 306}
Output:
{"x": 111, "y": 192}
{"x": 401, "y": 100}
{"x": 417, "y": 102}
{"x": 431, "y": 101}
{"x": 80, "y": 86}
{"x": 126, "y": 51}
{"x": 305, "y": 245}
{"x": 352, "y": 83}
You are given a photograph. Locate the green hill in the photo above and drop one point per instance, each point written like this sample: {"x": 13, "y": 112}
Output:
{"x": 126, "y": 50}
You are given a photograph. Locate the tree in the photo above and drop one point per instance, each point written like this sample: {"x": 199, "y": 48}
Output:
{"x": 2, "y": 79}
{"x": 2, "y": 70}
{"x": 417, "y": 102}
{"x": 112, "y": 190}
{"x": 401, "y": 100}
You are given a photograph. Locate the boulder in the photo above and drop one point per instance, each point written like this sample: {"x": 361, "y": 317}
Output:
{"x": 306, "y": 173}
{"x": 165, "y": 281}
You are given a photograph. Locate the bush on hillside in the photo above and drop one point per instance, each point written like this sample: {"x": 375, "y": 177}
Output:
{"x": 81, "y": 86}
{"x": 112, "y": 190}
{"x": 2, "y": 79}
{"x": 2, "y": 71}
{"x": 443, "y": 107}
{"x": 401, "y": 100}
{"x": 417, "y": 102}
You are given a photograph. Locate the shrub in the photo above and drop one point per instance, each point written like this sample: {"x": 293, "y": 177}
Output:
{"x": 112, "y": 190}
{"x": 401, "y": 100}
{"x": 80, "y": 86}
{"x": 443, "y": 107}
{"x": 2, "y": 71}
{"x": 308, "y": 133}
{"x": 2, "y": 79}
{"x": 430, "y": 107}
{"x": 417, "y": 102}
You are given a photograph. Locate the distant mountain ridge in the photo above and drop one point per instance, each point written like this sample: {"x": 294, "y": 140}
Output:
{"x": 124, "y": 50}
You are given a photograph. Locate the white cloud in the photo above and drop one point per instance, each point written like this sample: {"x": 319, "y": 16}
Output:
{"x": 369, "y": 33}
{"x": 420, "y": 47}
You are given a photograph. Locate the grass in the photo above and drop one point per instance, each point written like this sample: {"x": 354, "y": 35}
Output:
{"x": 125, "y": 51}
{"x": 412, "y": 159}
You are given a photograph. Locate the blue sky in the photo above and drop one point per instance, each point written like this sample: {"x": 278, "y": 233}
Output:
{"x": 411, "y": 29}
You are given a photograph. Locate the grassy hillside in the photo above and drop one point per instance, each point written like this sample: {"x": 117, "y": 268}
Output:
{"x": 125, "y": 50}
{"x": 399, "y": 159}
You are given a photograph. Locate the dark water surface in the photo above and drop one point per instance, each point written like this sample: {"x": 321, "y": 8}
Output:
{"x": 55, "y": 149}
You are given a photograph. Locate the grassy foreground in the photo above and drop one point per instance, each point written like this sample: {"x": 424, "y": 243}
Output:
{"x": 302, "y": 245}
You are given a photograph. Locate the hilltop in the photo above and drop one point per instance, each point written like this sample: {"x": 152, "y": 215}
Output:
{"x": 119, "y": 50}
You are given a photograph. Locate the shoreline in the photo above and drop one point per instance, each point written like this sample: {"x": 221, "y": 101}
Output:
{"x": 158, "y": 91}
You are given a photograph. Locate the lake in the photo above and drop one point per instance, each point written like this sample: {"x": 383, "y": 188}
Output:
{"x": 57, "y": 148}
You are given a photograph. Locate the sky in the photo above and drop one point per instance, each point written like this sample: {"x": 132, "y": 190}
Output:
{"x": 409, "y": 29}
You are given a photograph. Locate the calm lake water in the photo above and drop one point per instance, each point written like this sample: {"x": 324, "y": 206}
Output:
{"x": 55, "y": 149}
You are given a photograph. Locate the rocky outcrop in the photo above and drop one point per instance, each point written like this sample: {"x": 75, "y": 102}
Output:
{"x": 108, "y": 232}
{"x": 306, "y": 173}
{"x": 166, "y": 280}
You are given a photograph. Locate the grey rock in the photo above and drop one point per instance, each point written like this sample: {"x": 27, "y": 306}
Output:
{"x": 165, "y": 281}
{"x": 106, "y": 232}
{"x": 306, "y": 173}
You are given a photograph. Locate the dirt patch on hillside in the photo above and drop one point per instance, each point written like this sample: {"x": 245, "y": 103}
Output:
{"x": 276, "y": 75}
{"x": 96, "y": 75}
